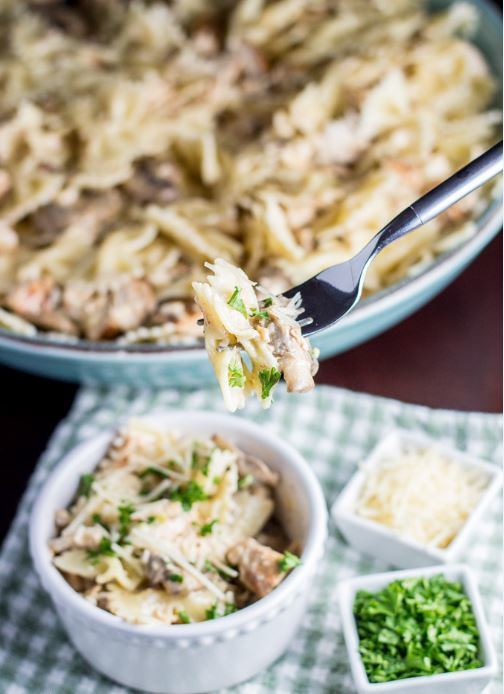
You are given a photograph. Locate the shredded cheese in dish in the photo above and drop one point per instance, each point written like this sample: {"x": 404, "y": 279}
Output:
{"x": 252, "y": 342}
{"x": 173, "y": 529}
{"x": 140, "y": 139}
{"x": 421, "y": 494}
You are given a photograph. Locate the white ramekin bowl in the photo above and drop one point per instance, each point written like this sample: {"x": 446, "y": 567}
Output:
{"x": 189, "y": 658}
{"x": 383, "y": 543}
{"x": 462, "y": 682}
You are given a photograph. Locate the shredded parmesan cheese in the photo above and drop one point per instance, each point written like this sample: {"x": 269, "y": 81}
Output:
{"x": 421, "y": 494}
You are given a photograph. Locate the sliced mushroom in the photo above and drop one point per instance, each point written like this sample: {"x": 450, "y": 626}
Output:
{"x": 294, "y": 356}
{"x": 249, "y": 464}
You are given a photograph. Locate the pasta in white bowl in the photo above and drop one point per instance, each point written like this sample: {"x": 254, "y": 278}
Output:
{"x": 173, "y": 529}
{"x": 173, "y": 658}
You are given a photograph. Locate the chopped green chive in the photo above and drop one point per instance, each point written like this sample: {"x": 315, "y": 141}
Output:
{"x": 268, "y": 380}
{"x": 288, "y": 561}
{"x": 236, "y": 302}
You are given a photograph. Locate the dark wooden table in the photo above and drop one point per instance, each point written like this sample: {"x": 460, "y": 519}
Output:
{"x": 449, "y": 354}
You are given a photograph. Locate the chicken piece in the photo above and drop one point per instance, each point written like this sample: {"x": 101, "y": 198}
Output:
{"x": 154, "y": 182}
{"x": 106, "y": 314}
{"x": 249, "y": 464}
{"x": 39, "y": 301}
{"x": 258, "y": 566}
{"x": 295, "y": 359}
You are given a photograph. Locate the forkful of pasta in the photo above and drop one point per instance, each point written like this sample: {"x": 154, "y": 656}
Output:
{"x": 253, "y": 337}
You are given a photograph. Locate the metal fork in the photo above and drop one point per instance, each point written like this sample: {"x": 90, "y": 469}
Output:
{"x": 335, "y": 291}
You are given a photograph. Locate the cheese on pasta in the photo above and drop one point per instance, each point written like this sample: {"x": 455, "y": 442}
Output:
{"x": 252, "y": 341}
{"x": 150, "y": 531}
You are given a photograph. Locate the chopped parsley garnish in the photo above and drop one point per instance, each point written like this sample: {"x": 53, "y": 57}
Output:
{"x": 85, "y": 484}
{"x": 236, "y": 302}
{"x": 98, "y": 520}
{"x": 245, "y": 481}
{"x": 208, "y": 566}
{"x": 152, "y": 471}
{"x": 176, "y": 578}
{"x": 184, "y": 617}
{"x": 288, "y": 561}
{"x": 217, "y": 480}
{"x": 414, "y": 627}
{"x": 214, "y": 611}
{"x": 207, "y": 528}
{"x": 104, "y": 549}
{"x": 236, "y": 377}
{"x": 256, "y": 313}
{"x": 267, "y": 302}
{"x": 125, "y": 512}
{"x": 211, "y": 612}
{"x": 268, "y": 380}
{"x": 189, "y": 495}
{"x": 151, "y": 519}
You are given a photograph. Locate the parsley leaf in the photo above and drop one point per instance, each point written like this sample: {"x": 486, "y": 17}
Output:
{"x": 176, "y": 578}
{"x": 125, "y": 512}
{"x": 85, "y": 484}
{"x": 207, "y": 528}
{"x": 98, "y": 520}
{"x": 256, "y": 313}
{"x": 245, "y": 481}
{"x": 215, "y": 611}
{"x": 236, "y": 302}
{"x": 188, "y": 495}
{"x": 152, "y": 471}
{"x": 104, "y": 549}
{"x": 236, "y": 377}
{"x": 414, "y": 627}
{"x": 268, "y": 380}
{"x": 184, "y": 617}
{"x": 211, "y": 612}
{"x": 288, "y": 561}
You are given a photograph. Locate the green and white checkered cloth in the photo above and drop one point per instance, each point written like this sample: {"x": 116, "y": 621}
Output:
{"x": 334, "y": 430}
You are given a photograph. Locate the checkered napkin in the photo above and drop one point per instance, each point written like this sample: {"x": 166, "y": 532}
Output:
{"x": 334, "y": 430}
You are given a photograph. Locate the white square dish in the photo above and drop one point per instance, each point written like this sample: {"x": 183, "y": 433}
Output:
{"x": 377, "y": 540}
{"x": 462, "y": 682}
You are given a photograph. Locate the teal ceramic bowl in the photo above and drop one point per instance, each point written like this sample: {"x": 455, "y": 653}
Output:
{"x": 148, "y": 365}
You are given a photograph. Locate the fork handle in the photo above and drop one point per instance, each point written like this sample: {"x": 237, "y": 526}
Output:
{"x": 440, "y": 198}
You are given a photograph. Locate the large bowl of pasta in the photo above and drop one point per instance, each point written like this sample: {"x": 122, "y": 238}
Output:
{"x": 140, "y": 140}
